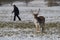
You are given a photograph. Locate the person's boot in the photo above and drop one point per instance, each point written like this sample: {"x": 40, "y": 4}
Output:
{"x": 19, "y": 19}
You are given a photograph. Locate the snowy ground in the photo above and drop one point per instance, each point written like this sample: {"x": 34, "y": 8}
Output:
{"x": 27, "y": 34}
{"x": 52, "y": 14}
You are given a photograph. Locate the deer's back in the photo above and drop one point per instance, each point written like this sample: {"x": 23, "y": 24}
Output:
{"x": 41, "y": 19}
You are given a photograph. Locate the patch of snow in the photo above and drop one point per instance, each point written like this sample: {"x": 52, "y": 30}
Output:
{"x": 26, "y": 35}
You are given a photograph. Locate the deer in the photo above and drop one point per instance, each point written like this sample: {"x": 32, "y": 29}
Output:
{"x": 39, "y": 21}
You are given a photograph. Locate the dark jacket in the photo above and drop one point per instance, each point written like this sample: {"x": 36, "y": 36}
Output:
{"x": 16, "y": 10}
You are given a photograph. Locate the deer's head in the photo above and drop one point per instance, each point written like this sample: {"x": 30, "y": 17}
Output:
{"x": 35, "y": 14}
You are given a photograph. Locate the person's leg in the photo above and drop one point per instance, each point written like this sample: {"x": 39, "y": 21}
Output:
{"x": 19, "y": 17}
{"x": 14, "y": 17}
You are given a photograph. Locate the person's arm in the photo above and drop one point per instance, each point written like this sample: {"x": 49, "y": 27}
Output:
{"x": 12, "y": 11}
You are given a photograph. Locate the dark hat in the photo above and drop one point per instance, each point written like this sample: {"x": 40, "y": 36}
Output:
{"x": 14, "y": 5}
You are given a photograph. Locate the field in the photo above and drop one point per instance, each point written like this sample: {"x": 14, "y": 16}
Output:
{"x": 25, "y": 29}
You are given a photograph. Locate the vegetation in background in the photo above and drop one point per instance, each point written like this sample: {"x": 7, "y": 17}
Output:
{"x": 11, "y": 1}
{"x": 27, "y": 1}
{"x": 52, "y": 3}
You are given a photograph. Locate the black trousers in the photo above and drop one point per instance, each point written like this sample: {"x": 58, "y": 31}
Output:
{"x": 17, "y": 16}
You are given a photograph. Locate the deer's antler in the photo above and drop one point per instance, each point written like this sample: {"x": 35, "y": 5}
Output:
{"x": 31, "y": 10}
{"x": 38, "y": 10}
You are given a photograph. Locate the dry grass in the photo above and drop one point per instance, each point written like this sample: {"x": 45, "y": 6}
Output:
{"x": 26, "y": 25}
{"x": 16, "y": 25}
{"x": 51, "y": 25}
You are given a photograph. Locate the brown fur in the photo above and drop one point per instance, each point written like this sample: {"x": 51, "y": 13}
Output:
{"x": 39, "y": 22}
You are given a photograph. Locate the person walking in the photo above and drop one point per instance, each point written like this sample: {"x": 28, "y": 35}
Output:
{"x": 16, "y": 12}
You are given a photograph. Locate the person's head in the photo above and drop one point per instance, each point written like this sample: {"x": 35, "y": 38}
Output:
{"x": 14, "y": 5}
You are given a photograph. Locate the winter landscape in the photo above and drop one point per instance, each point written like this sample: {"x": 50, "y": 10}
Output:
{"x": 25, "y": 29}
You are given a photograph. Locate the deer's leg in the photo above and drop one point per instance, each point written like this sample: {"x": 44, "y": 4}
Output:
{"x": 37, "y": 28}
{"x": 43, "y": 27}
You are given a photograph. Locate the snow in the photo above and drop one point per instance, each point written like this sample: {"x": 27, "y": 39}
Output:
{"x": 51, "y": 14}
{"x": 25, "y": 34}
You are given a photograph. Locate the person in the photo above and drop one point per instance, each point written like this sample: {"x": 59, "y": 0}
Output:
{"x": 16, "y": 13}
